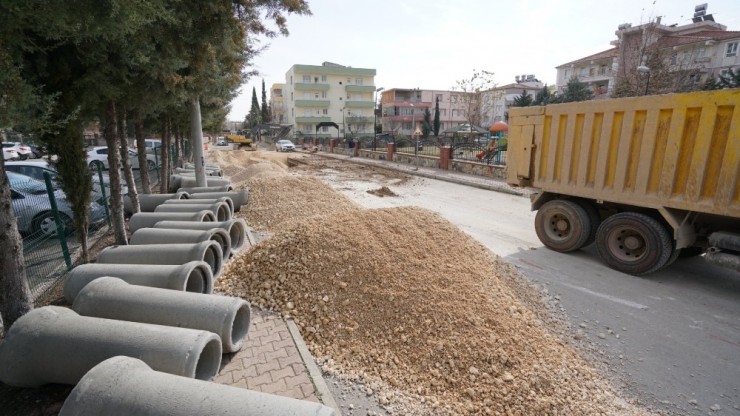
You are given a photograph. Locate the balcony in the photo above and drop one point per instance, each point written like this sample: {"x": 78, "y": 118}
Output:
{"x": 307, "y": 86}
{"x": 312, "y": 103}
{"x": 359, "y": 88}
{"x": 359, "y": 104}
{"x": 309, "y": 119}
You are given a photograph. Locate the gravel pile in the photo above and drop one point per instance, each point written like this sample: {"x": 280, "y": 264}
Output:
{"x": 402, "y": 297}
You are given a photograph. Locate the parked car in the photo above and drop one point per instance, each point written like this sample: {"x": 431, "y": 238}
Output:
{"x": 150, "y": 144}
{"x": 98, "y": 155}
{"x": 284, "y": 146}
{"x": 24, "y": 152}
{"x": 32, "y": 208}
{"x": 9, "y": 153}
{"x": 38, "y": 151}
{"x": 36, "y": 168}
{"x": 221, "y": 141}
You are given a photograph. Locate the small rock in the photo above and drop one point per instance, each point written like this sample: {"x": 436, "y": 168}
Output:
{"x": 715, "y": 407}
{"x": 692, "y": 401}
{"x": 473, "y": 371}
{"x": 470, "y": 392}
{"x": 507, "y": 376}
{"x": 582, "y": 325}
{"x": 602, "y": 335}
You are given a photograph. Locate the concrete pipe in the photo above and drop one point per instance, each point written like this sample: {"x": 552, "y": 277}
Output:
{"x": 207, "y": 251}
{"x": 55, "y": 345}
{"x": 191, "y": 172}
{"x": 123, "y": 386}
{"x": 181, "y": 181}
{"x": 144, "y": 236}
{"x": 221, "y": 210}
{"x": 147, "y": 202}
{"x": 148, "y": 219}
{"x": 224, "y": 199}
{"x": 236, "y": 227}
{"x": 111, "y": 298}
{"x": 239, "y": 197}
{"x": 193, "y": 276}
{"x": 224, "y": 188}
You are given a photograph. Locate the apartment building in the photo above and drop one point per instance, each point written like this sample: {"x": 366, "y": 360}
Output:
{"x": 495, "y": 103}
{"x": 326, "y": 93}
{"x": 277, "y": 104}
{"x": 402, "y": 109}
{"x": 698, "y": 50}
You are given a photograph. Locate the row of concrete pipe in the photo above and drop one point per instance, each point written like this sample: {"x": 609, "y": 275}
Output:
{"x": 145, "y": 334}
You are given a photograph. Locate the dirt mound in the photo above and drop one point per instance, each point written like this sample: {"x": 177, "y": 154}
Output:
{"x": 276, "y": 201}
{"x": 402, "y": 296}
{"x": 382, "y": 191}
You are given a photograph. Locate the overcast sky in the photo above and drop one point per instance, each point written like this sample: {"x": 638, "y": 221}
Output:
{"x": 431, "y": 44}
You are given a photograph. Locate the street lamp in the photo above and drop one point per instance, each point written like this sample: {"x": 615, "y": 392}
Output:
{"x": 645, "y": 70}
{"x": 375, "y": 115}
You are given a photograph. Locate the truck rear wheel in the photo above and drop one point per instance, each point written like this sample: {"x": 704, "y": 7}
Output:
{"x": 594, "y": 218}
{"x": 562, "y": 225}
{"x": 634, "y": 243}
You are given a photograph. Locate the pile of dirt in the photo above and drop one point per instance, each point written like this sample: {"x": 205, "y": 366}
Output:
{"x": 382, "y": 191}
{"x": 402, "y": 296}
{"x": 275, "y": 201}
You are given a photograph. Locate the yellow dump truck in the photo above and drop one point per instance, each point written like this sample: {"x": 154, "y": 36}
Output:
{"x": 239, "y": 138}
{"x": 645, "y": 178}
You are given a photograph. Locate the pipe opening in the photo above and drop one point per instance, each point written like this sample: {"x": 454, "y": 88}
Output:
{"x": 208, "y": 217}
{"x": 240, "y": 328}
{"x": 196, "y": 281}
{"x": 209, "y": 360}
{"x": 214, "y": 260}
{"x": 222, "y": 242}
{"x": 222, "y": 213}
{"x": 236, "y": 232}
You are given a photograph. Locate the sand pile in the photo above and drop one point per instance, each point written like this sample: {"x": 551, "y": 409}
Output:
{"x": 402, "y": 296}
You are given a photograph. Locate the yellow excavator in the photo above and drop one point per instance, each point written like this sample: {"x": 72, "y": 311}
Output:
{"x": 240, "y": 139}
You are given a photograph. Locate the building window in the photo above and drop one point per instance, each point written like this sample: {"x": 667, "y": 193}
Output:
{"x": 323, "y": 78}
{"x": 291, "y": 96}
{"x": 592, "y": 71}
{"x": 438, "y": 97}
{"x": 566, "y": 74}
{"x": 316, "y": 95}
{"x": 323, "y": 94}
{"x": 583, "y": 72}
{"x": 358, "y": 81}
{"x": 307, "y": 78}
{"x": 324, "y": 129}
{"x": 325, "y": 111}
{"x": 731, "y": 50}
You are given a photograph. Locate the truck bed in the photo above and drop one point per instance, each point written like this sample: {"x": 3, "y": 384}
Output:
{"x": 677, "y": 151}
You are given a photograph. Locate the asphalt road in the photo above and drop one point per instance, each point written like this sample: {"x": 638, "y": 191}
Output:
{"x": 672, "y": 338}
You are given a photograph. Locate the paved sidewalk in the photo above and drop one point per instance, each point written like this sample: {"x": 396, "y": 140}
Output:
{"x": 270, "y": 361}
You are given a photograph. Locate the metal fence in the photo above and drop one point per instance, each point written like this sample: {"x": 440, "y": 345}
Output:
{"x": 45, "y": 221}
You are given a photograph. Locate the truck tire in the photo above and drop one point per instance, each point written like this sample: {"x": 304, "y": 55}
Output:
{"x": 593, "y": 215}
{"x": 634, "y": 243}
{"x": 562, "y": 225}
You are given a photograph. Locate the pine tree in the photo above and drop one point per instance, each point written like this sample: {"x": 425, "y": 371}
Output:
{"x": 265, "y": 111}
{"x": 524, "y": 100}
{"x": 435, "y": 126}
{"x": 426, "y": 125}
{"x": 575, "y": 90}
{"x": 255, "y": 115}
{"x": 543, "y": 96}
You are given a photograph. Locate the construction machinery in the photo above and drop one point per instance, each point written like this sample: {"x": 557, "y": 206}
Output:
{"x": 240, "y": 139}
{"x": 646, "y": 178}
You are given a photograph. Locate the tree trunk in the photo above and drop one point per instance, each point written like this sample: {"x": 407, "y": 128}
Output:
{"x": 114, "y": 172}
{"x": 196, "y": 135}
{"x": 178, "y": 147}
{"x": 141, "y": 145}
{"x": 15, "y": 296}
{"x": 164, "y": 173}
{"x": 126, "y": 160}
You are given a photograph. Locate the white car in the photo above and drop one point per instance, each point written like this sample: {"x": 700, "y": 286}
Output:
{"x": 36, "y": 168}
{"x": 24, "y": 151}
{"x": 284, "y": 146}
{"x": 98, "y": 156}
{"x": 9, "y": 152}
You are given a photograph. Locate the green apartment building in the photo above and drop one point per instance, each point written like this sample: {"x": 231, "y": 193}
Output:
{"x": 329, "y": 93}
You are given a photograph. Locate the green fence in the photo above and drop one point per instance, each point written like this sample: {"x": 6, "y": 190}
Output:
{"x": 45, "y": 221}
